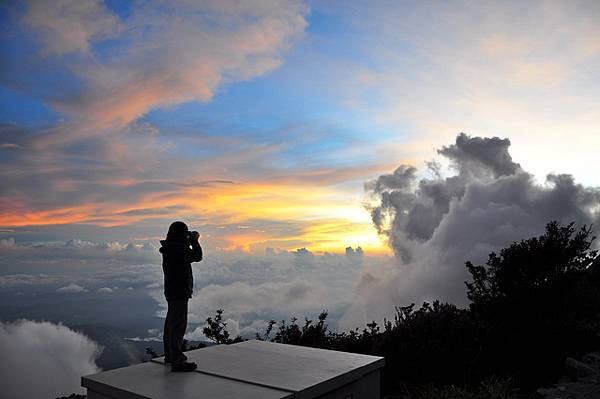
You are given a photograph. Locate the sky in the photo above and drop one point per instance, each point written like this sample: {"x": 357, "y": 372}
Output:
{"x": 259, "y": 123}
{"x": 332, "y": 154}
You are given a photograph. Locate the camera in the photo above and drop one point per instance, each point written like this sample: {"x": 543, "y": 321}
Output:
{"x": 190, "y": 235}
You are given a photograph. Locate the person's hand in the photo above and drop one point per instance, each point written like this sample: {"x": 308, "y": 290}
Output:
{"x": 194, "y": 235}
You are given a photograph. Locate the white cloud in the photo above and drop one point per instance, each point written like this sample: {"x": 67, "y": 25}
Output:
{"x": 43, "y": 360}
{"x": 154, "y": 285}
{"x": 13, "y": 280}
{"x": 7, "y": 243}
{"x": 155, "y": 335}
{"x": 79, "y": 274}
{"x": 240, "y": 297}
{"x": 196, "y": 334}
{"x": 72, "y": 288}
{"x": 33, "y": 257}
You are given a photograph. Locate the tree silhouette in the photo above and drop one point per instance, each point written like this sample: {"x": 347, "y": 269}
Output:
{"x": 530, "y": 267}
{"x": 538, "y": 300}
{"x": 216, "y": 330}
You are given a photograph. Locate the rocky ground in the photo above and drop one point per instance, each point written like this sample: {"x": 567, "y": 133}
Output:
{"x": 582, "y": 380}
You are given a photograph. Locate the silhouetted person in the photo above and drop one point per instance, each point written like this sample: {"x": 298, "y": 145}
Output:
{"x": 179, "y": 250}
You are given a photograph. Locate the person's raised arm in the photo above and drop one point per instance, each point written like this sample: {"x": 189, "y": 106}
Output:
{"x": 196, "y": 252}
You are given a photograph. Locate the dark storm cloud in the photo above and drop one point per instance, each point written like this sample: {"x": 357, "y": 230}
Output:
{"x": 488, "y": 154}
{"x": 402, "y": 178}
{"x": 436, "y": 224}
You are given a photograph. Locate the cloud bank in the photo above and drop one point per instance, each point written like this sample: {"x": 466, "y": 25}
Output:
{"x": 43, "y": 360}
{"x": 436, "y": 224}
{"x": 252, "y": 288}
{"x": 255, "y": 289}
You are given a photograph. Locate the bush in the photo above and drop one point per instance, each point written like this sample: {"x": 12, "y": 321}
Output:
{"x": 538, "y": 300}
{"x": 488, "y": 389}
{"x": 216, "y": 330}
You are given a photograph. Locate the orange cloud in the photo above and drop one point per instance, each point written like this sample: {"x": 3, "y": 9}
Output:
{"x": 19, "y": 217}
{"x": 319, "y": 218}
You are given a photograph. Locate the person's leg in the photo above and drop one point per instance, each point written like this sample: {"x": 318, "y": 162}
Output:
{"x": 167, "y": 332}
{"x": 178, "y": 331}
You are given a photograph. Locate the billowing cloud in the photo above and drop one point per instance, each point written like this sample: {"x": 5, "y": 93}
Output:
{"x": 436, "y": 224}
{"x": 43, "y": 360}
{"x": 480, "y": 155}
{"x": 240, "y": 297}
{"x": 247, "y": 305}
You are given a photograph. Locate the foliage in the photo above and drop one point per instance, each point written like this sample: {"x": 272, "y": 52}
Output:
{"x": 488, "y": 389}
{"x": 151, "y": 352}
{"x": 530, "y": 267}
{"x": 310, "y": 334}
{"x": 538, "y": 299}
{"x": 216, "y": 330}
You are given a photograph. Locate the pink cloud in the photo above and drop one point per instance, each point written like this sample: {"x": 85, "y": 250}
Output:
{"x": 165, "y": 58}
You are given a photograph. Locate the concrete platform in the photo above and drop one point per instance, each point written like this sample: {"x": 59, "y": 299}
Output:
{"x": 251, "y": 369}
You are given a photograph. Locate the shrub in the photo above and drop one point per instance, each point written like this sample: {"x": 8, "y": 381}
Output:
{"x": 538, "y": 300}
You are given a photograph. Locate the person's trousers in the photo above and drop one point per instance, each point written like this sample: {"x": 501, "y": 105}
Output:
{"x": 175, "y": 326}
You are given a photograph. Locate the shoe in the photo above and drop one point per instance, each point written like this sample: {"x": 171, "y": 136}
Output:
{"x": 180, "y": 359}
{"x": 184, "y": 366}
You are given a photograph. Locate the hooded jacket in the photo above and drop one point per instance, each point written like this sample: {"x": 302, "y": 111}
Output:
{"x": 177, "y": 266}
